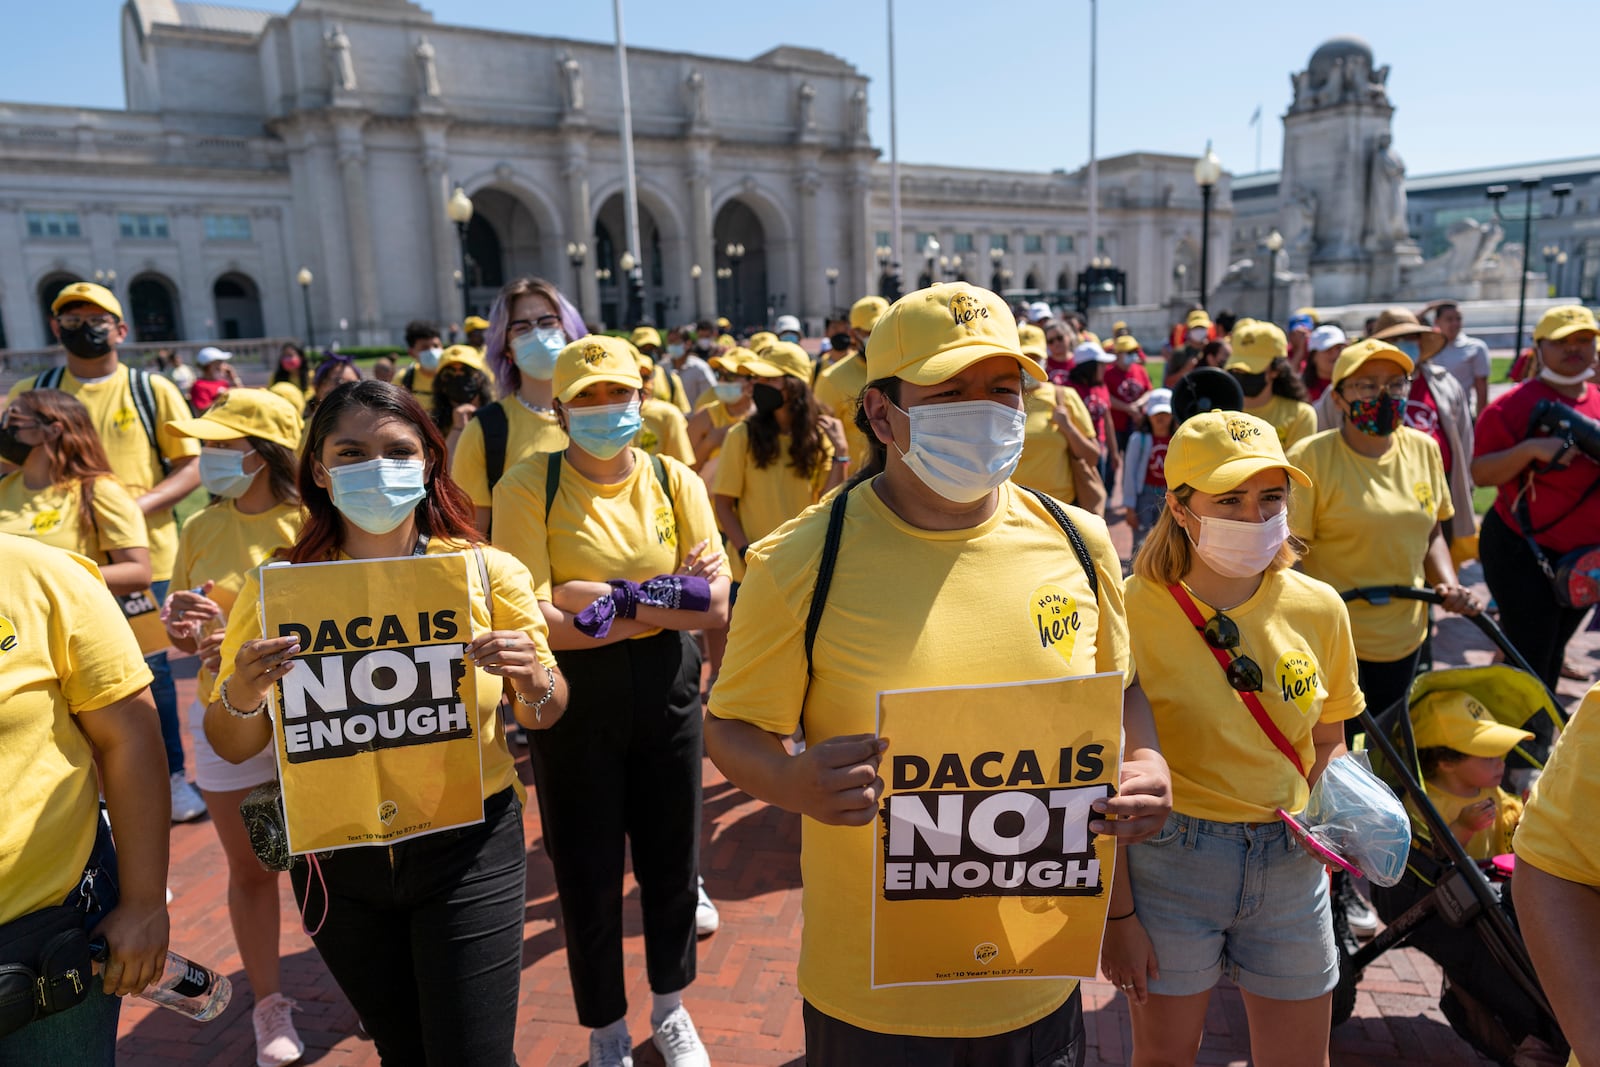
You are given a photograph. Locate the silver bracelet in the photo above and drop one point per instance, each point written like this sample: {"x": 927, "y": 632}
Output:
{"x": 235, "y": 712}
{"x": 536, "y": 705}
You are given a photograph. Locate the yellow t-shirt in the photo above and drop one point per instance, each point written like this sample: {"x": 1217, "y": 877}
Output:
{"x": 221, "y": 544}
{"x": 768, "y": 496}
{"x": 1224, "y": 768}
{"x": 111, "y": 411}
{"x": 65, "y": 649}
{"x": 599, "y": 532}
{"x": 1556, "y": 834}
{"x": 1046, "y": 463}
{"x": 665, "y": 431}
{"x": 1486, "y": 843}
{"x": 420, "y": 382}
{"x": 50, "y": 516}
{"x": 667, "y": 386}
{"x": 963, "y": 615}
{"x": 1367, "y": 522}
{"x": 527, "y": 432}
{"x": 838, "y": 390}
{"x": 514, "y": 609}
{"x": 1294, "y": 420}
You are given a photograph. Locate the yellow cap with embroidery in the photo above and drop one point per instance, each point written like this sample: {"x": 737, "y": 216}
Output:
{"x": 933, "y": 334}
{"x": 1216, "y": 451}
{"x": 1354, "y": 356}
{"x": 1255, "y": 346}
{"x": 778, "y": 359}
{"x": 1452, "y": 718}
{"x": 1557, "y": 323}
{"x": 645, "y": 335}
{"x": 592, "y": 359}
{"x": 86, "y": 293}
{"x": 244, "y": 413}
{"x": 865, "y": 313}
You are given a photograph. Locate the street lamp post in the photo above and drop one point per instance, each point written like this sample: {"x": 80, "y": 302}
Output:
{"x": 1207, "y": 172}
{"x": 931, "y": 251}
{"x": 735, "y": 254}
{"x": 1497, "y": 193}
{"x": 694, "y": 274}
{"x": 832, "y": 274}
{"x": 459, "y": 209}
{"x": 1178, "y": 273}
{"x": 1272, "y": 244}
{"x": 304, "y": 278}
{"x": 577, "y": 255}
{"x": 997, "y": 257}
{"x": 1561, "y": 272}
{"x": 632, "y": 301}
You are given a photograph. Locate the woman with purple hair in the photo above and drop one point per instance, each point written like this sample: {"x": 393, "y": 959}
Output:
{"x": 531, "y": 323}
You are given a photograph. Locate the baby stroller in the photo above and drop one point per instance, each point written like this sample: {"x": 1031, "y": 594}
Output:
{"x": 1446, "y": 904}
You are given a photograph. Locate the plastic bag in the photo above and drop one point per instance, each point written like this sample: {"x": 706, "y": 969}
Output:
{"x": 1356, "y": 816}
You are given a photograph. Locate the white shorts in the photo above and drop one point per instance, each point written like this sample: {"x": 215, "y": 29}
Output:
{"x": 215, "y": 774}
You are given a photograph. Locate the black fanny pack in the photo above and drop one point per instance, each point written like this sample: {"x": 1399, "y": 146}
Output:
{"x": 44, "y": 966}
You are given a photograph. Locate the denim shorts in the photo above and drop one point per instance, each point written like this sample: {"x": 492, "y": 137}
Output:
{"x": 1239, "y": 899}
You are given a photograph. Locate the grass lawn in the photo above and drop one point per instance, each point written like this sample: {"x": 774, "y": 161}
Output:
{"x": 191, "y": 504}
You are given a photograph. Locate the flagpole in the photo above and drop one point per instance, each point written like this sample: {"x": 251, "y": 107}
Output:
{"x": 894, "y": 158}
{"x": 635, "y": 281}
{"x": 1094, "y": 161}
{"x": 1258, "y": 123}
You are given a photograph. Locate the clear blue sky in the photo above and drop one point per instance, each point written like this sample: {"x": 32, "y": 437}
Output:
{"x": 1003, "y": 83}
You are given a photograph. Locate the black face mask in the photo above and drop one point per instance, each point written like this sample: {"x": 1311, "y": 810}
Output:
{"x": 460, "y": 388}
{"x": 87, "y": 342}
{"x": 12, "y": 449}
{"x": 1252, "y": 384}
{"x": 767, "y": 398}
{"x": 703, "y": 345}
{"x": 839, "y": 342}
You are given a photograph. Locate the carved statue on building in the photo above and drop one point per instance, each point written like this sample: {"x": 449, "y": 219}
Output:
{"x": 858, "y": 115}
{"x": 427, "y": 71}
{"x": 806, "y": 96}
{"x": 1386, "y": 194}
{"x": 695, "y": 89}
{"x": 341, "y": 67}
{"x": 571, "y": 82}
{"x": 1298, "y": 223}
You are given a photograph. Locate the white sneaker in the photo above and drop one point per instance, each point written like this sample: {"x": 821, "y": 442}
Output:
{"x": 678, "y": 1041}
{"x": 277, "y": 1043}
{"x": 610, "y": 1049}
{"x": 706, "y": 918}
{"x": 187, "y": 804}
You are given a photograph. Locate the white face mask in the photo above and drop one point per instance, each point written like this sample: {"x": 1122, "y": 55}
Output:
{"x": 1237, "y": 549}
{"x": 1553, "y": 378}
{"x": 962, "y": 451}
{"x": 429, "y": 358}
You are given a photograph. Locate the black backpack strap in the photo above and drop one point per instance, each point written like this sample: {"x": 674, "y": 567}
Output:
{"x": 825, "y": 566}
{"x": 552, "y": 483}
{"x": 496, "y": 433}
{"x": 144, "y": 404}
{"x": 408, "y": 376}
{"x": 50, "y": 379}
{"x": 1085, "y": 560}
{"x": 661, "y": 478}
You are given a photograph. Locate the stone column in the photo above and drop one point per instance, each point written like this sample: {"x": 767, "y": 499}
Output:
{"x": 863, "y": 262}
{"x": 701, "y": 243}
{"x": 24, "y": 326}
{"x": 195, "y": 304}
{"x": 585, "y": 288}
{"x": 352, "y": 157}
{"x": 806, "y": 184}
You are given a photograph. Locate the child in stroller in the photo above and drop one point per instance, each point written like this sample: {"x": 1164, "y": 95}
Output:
{"x": 1462, "y": 752}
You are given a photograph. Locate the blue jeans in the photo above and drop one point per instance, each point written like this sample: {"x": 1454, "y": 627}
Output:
{"x": 165, "y": 693}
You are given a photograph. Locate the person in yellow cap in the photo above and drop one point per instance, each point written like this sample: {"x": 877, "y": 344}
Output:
{"x": 1058, "y": 428}
{"x": 475, "y": 328}
{"x": 129, "y": 409}
{"x": 1272, "y": 391}
{"x": 1251, "y": 672}
{"x": 1126, "y": 383}
{"x": 663, "y": 430}
{"x": 1462, "y": 751}
{"x": 839, "y": 386}
{"x": 248, "y": 462}
{"x": 1376, "y": 515}
{"x": 781, "y": 459}
{"x": 1557, "y": 884}
{"x": 461, "y": 386}
{"x": 625, "y": 560}
{"x": 728, "y": 402}
{"x": 664, "y": 382}
{"x": 941, "y": 527}
{"x": 1549, "y": 487}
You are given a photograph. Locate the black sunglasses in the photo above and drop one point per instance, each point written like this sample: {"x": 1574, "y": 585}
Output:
{"x": 1244, "y": 674}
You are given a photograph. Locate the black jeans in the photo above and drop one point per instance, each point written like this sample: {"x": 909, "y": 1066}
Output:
{"x": 624, "y": 763}
{"x": 425, "y": 938}
{"x": 1535, "y": 622}
{"x": 1384, "y": 685}
{"x": 1054, "y": 1041}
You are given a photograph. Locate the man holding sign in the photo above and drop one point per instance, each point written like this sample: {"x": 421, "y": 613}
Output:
{"x": 953, "y": 882}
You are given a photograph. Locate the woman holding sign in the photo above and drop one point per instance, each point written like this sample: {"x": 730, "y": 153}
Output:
{"x": 424, "y": 936}
{"x": 942, "y": 573}
{"x": 621, "y": 546}
{"x": 1251, "y": 671}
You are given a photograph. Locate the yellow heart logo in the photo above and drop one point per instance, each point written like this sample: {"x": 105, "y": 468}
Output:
{"x": 593, "y": 353}
{"x": 1299, "y": 682}
{"x": 46, "y": 521}
{"x": 124, "y": 418}
{"x": 966, "y": 309}
{"x": 1242, "y": 431}
{"x": 1424, "y": 494}
{"x": 8, "y": 635}
{"x": 1055, "y": 620}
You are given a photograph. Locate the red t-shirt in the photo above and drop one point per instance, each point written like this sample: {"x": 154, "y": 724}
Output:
{"x": 1155, "y": 468}
{"x": 1315, "y": 390}
{"x": 1055, "y": 372}
{"x": 1422, "y": 415}
{"x": 1554, "y": 501}
{"x": 204, "y": 392}
{"x": 1127, "y": 386}
{"x": 1097, "y": 398}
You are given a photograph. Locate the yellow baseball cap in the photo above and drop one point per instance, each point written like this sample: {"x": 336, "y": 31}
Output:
{"x": 1451, "y": 718}
{"x": 865, "y": 313}
{"x": 466, "y": 355}
{"x": 1255, "y": 346}
{"x": 731, "y": 360}
{"x": 1118, "y": 325}
{"x": 933, "y": 334}
{"x": 1126, "y": 343}
{"x": 1354, "y": 356}
{"x": 86, "y": 293}
{"x": 645, "y": 335}
{"x": 1554, "y": 325}
{"x": 1197, "y": 318}
{"x": 1091, "y": 337}
{"x": 778, "y": 359}
{"x": 1219, "y": 450}
{"x": 1031, "y": 339}
{"x": 761, "y": 339}
{"x": 244, "y": 413}
{"x": 595, "y": 358}
{"x": 723, "y": 324}
{"x": 726, "y": 340}
{"x": 474, "y": 322}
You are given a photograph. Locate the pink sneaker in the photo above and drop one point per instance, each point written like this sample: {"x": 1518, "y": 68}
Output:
{"x": 277, "y": 1043}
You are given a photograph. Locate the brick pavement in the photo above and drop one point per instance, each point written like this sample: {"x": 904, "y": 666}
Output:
{"x": 745, "y": 1001}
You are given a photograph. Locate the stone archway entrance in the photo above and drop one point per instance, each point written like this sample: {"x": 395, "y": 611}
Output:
{"x": 238, "y": 307}
{"x": 742, "y": 293}
{"x": 503, "y": 242}
{"x": 153, "y": 308}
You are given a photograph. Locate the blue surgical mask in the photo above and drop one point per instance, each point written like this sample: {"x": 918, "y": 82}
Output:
{"x": 222, "y": 472}
{"x": 605, "y": 430}
{"x": 789, "y": 336}
{"x": 429, "y": 358}
{"x": 536, "y": 351}
{"x": 729, "y": 392}
{"x": 675, "y": 350}
{"x": 378, "y": 495}
{"x": 1411, "y": 347}
{"x": 964, "y": 450}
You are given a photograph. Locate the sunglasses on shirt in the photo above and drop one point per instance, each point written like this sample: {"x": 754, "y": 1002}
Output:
{"x": 1244, "y": 674}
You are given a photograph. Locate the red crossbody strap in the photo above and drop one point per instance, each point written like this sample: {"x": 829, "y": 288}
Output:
{"x": 1251, "y": 701}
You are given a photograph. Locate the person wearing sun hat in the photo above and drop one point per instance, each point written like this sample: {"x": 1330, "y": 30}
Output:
{"x": 839, "y": 387}
{"x": 625, "y": 560}
{"x": 1229, "y": 635}
{"x": 248, "y": 461}
{"x": 1058, "y": 428}
{"x": 941, "y": 526}
{"x": 1272, "y": 391}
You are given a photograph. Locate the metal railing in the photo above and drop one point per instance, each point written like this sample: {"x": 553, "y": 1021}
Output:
{"x": 248, "y": 353}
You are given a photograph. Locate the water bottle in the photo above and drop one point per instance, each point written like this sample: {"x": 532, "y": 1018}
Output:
{"x": 184, "y": 986}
